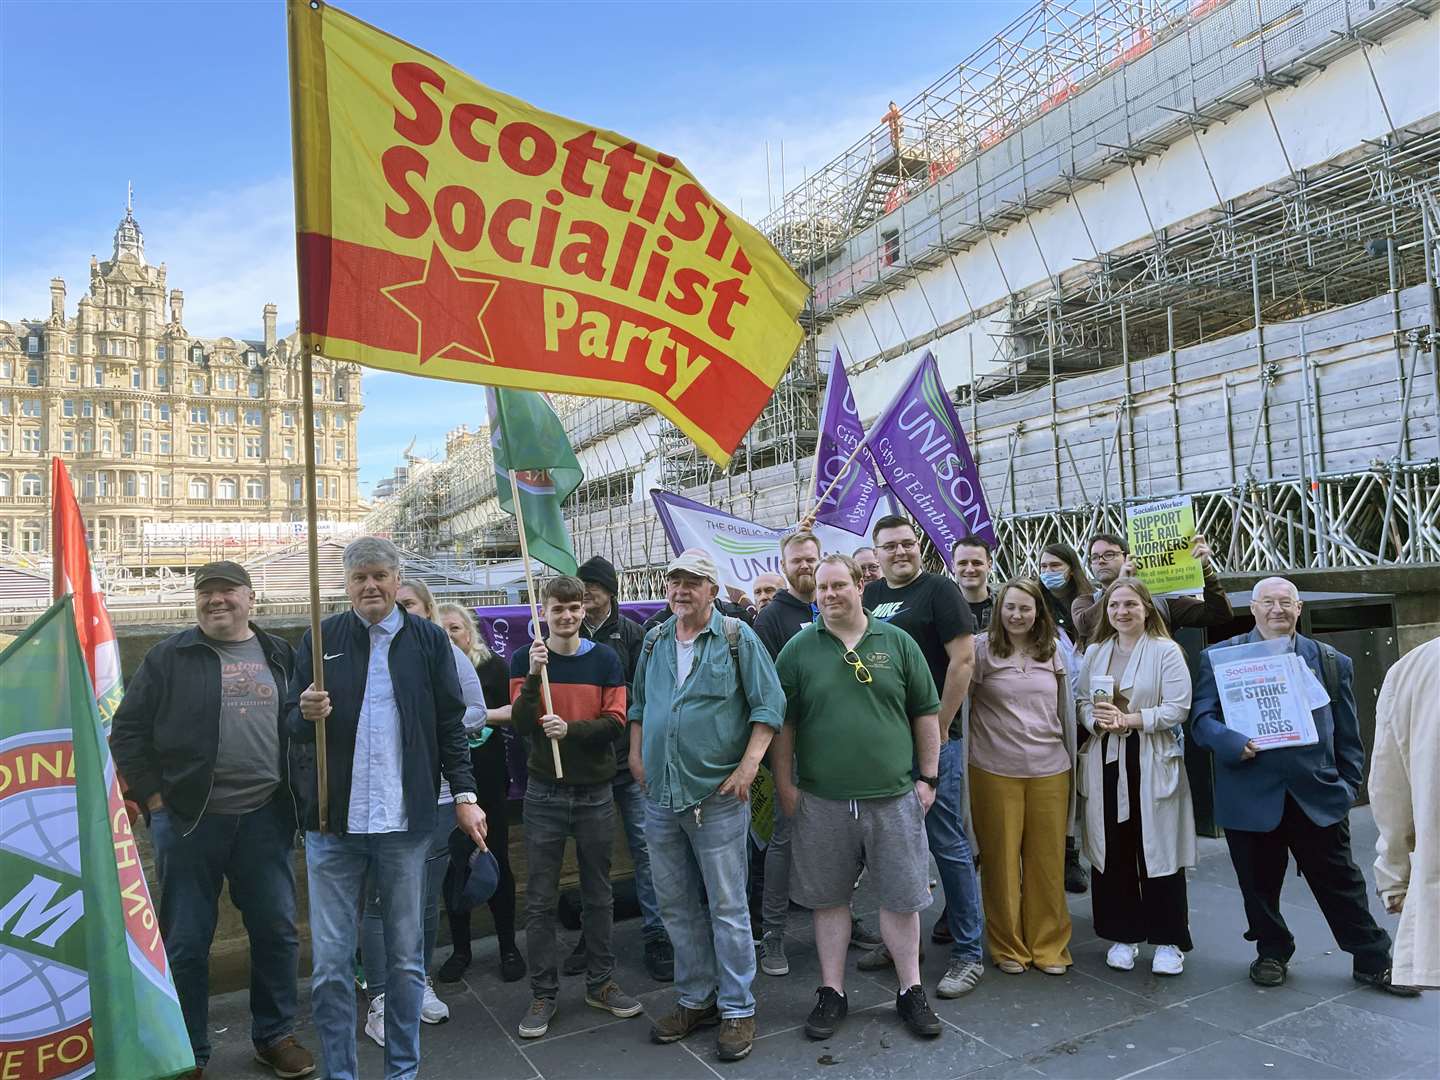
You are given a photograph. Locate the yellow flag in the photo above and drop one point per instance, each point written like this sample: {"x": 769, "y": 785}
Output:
{"x": 448, "y": 230}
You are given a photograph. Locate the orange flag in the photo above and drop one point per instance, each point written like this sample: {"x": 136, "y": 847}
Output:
{"x": 72, "y": 574}
{"x": 449, "y": 230}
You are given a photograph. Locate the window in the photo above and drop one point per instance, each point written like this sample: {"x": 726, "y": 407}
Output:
{"x": 287, "y": 419}
{"x": 199, "y": 446}
{"x": 67, "y": 407}
{"x": 89, "y": 485}
{"x": 339, "y": 389}
{"x": 162, "y": 378}
{"x": 107, "y": 410}
{"x": 87, "y": 441}
{"x": 99, "y": 375}
{"x": 288, "y": 451}
{"x": 339, "y": 451}
{"x": 30, "y": 484}
{"x": 319, "y": 387}
{"x": 4, "y": 534}
{"x": 165, "y": 443}
{"x": 297, "y": 493}
{"x": 254, "y": 418}
{"x": 225, "y": 416}
{"x": 30, "y": 535}
{"x": 254, "y": 388}
{"x": 160, "y": 353}
{"x": 137, "y": 379}
{"x": 72, "y": 347}
{"x": 73, "y": 375}
{"x": 197, "y": 384}
{"x": 197, "y": 354}
{"x": 340, "y": 421}
{"x": 5, "y": 370}
{"x": 67, "y": 441}
{"x": 4, "y": 484}
{"x": 127, "y": 442}
{"x": 144, "y": 485}
{"x": 254, "y": 447}
{"x": 227, "y": 380}
{"x": 107, "y": 486}
{"x": 146, "y": 410}
{"x": 87, "y": 408}
{"x": 199, "y": 414}
{"x": 225, "y": 446}
{"x": 147, "y": 442}
{"x": 4, "y": 440}
{"x": 107, "y": 444}
{"x": 225, "y": 489}
{"x": 128, "y": 485}
{"x": 199, "y": 487}
{"x": 32, "y": 344}
{"x": 254, "y": 488}
{"x": 333, "y": 485}
{"x": 30, "y": 440}
{"x": 32, "y": 374}
{"x": 162, "y": 487}
{"x": 164, "y": 410}
{"x": 127, "y": 411}
{"x": 4, "y": 406}
{"x": 31, "y": 407}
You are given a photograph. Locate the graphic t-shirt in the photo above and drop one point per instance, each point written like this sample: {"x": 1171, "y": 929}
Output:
{"x": 931, "y": 610}
{"x": 247, "y": 762}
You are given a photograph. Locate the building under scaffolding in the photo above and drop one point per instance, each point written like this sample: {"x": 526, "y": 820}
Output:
{"x": 1156, "y": 247}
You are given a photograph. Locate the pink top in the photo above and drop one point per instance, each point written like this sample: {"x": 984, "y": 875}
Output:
{"x": 1015, "y": 727}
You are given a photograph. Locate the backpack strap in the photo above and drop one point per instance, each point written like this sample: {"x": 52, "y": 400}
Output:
{"x": 651, "y": 636}
{"x": 1330, "y": 667}
{"x": 732, "y": 637}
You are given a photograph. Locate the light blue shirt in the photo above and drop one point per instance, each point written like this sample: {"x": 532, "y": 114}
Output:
{"x": 377, "y": 794}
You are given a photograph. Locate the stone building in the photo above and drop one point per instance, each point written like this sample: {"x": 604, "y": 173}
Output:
{"x": 157, "y": 426}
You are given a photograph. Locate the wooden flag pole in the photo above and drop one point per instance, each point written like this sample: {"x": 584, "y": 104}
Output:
{"x": 317, "y": 646}
{"x": 534, "y": 611}
{"x": 810, "y": 516}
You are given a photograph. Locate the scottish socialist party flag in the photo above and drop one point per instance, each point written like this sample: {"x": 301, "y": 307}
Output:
{"x": 852, "y": 500}
{"x": 527, "y": 436}
{"x": 85, "y": 985}
{"x": 923, "y": 458}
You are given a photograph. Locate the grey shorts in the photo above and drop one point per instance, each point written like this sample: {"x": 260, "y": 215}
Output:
{"x": 832, "y": 839}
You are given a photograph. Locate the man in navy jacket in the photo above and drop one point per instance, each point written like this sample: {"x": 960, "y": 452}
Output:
{"x": 393, "y": 720}
{"x": 1294, "y": 800}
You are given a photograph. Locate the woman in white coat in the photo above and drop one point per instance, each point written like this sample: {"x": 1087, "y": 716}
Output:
{"x": 1139, "y": 823}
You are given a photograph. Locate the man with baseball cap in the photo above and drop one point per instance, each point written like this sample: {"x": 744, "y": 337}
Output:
{"x": 200, "y": 741}
{"x": 705, "y": 704}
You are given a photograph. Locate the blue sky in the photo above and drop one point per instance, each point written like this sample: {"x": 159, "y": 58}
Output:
{"x": 190, "y": 102}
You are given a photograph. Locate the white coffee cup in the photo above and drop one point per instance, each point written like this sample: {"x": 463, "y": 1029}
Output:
{"x": 1102, "y": 689}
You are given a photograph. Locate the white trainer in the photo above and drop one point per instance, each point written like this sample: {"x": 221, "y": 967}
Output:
{"x": 1169, "y": 960}
{"x": 432, "y": 1009}
{"x": 1121, "y": 957}
{"x": 375, "y": 1021}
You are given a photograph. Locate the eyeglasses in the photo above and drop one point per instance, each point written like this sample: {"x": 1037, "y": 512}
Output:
{"x": 1284, "y": 603}
{"x": 862, "y": 673}
{"x": 899, "y": 545}
{"x": 1107, "y": 556}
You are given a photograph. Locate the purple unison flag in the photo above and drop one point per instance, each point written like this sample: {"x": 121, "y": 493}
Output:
{"x": 851, "y": 503}
{"x": 920, "y": 450}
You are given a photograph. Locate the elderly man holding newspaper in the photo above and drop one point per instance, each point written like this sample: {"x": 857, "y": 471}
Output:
{"x": 1282, "y": 788}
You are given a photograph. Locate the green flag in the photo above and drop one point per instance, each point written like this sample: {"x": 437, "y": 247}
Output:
{"x": 527, "y": 436}
{"x": 86, "y": 982}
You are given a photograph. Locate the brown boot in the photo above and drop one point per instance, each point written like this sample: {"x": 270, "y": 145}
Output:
{"x": 287, "y": 1058}
{"x": 737, "y": 1036}
{"x": 680, "y": 1021}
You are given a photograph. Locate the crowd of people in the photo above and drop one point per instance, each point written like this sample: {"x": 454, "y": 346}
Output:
{"x": 1001, "y": 729}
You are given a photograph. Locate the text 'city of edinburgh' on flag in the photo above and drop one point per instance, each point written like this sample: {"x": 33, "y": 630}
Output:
{"x": 449, "y": 230}
{"x": 73, "y": 574}
{"x": 85, "y": 985}
{"x": 527, "y": 436}
{"x": 850, "y": 504}
{"x": 920, "y": 449}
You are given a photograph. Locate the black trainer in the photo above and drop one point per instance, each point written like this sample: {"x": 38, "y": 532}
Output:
{"x": 660, "y": 960}
{"x": 512, "y": 965}
{"x": 453, "y": 969}
{"x": 829, "y": 1012}
{"x": 1075, "y": 879}
{"x": 1267, "y": 971}
{"x": 915, "y": 1010}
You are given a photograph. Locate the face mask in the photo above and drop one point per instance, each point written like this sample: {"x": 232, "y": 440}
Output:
{"x": 1054, "y": 579}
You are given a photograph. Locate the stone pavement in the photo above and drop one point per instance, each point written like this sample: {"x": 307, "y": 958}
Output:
{"x": 1093, "y": 1022}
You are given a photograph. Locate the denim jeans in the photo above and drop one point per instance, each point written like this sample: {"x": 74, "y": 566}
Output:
{"x": 775, "y": 898}
{"x": 253, "y": 852}
{"x": 705, "y": 847}
{"x": 338, "y": 867}
{"x": 630, "y": 802}
{"x": 951, "y": 848}
{"x": 372, "y": 926}
{"x": 554, "y": 813}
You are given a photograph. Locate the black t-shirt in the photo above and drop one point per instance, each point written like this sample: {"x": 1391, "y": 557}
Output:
{"x": 931, "y": 610}
{"x": 980, "y": 611}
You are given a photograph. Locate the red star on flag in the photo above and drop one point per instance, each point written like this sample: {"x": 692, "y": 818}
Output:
{"x": 449, "y": 309}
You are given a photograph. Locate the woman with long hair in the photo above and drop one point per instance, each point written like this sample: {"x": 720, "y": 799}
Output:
{"x": 1022, "y": 747}
{"x": 1063, "y": 575}
{"x": 414, "y": 596}
{"x": 1139, "y": 824}
{"x": 492, "y": 781}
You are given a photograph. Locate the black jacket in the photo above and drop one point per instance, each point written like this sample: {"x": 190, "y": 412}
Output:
{"x": 427, "y": 695}
{"x": 166, "y": 731}
{"x": 626, "y": 637}
{"x": 783, "y": 618}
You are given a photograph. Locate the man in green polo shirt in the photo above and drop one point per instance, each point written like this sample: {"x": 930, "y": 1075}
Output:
{"x": 861, "y": 710}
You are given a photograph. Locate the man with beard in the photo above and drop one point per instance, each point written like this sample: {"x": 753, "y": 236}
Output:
{"x": 1110, "y": 559}
{"x": 931, "y": 609}
{"x": 786, "y": 615}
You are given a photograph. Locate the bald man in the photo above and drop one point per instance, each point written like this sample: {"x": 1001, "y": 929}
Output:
{"x": 764, "y": 590}
{"x": 1294, "y": 801}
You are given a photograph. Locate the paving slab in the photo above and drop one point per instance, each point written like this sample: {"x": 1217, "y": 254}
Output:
{"x": 1126, "y": 1047}
{"x": 1361, "y": 1041}
{"x": 1239, "y": 1056}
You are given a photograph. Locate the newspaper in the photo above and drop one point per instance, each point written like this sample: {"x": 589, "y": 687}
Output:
{"x": 1268, "y": 693}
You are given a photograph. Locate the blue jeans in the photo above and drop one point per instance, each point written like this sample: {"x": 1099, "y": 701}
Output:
{"x": 951, "y": 849}
{"x": 714, "y": 951}
{"x": 630, "y": 802}
{"x": 253, "y": 851}
{"x": 372, "y": 926}
{"x": 338, "y": 867}
{"x": 775, "y": 897}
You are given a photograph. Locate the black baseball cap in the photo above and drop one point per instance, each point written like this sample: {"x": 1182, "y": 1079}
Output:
{"x": 231, "y": 572}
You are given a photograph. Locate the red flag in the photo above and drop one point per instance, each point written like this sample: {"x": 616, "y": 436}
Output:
{"x": 72, "y": 574}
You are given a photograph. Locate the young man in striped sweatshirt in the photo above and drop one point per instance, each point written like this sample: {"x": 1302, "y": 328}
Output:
{"x": 587, "y": 690}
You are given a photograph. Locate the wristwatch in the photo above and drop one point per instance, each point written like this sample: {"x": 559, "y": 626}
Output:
{"x": 466, "y": 797}
{"x": 933, "y": 781}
